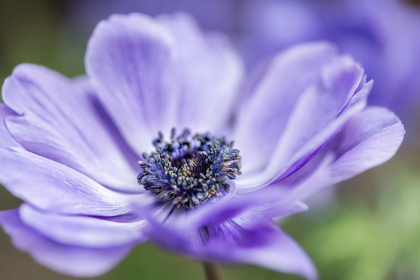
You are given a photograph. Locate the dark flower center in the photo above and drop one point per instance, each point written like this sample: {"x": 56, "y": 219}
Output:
{"x": 189, "y": 170}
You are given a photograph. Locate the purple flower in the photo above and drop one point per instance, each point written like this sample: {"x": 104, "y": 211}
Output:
{"x": 382, "y": 35}
{"x": 70, "y": 148}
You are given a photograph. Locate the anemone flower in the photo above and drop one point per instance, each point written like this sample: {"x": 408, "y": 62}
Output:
{"x": 142, "y": 148}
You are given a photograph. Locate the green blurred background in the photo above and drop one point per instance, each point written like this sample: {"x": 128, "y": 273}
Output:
{"x": 370, "y": 229}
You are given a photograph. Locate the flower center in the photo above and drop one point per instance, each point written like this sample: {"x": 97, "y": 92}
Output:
{"x": 189, "y": 170}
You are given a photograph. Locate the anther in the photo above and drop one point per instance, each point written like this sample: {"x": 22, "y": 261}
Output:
{"x": 189, "y": 170}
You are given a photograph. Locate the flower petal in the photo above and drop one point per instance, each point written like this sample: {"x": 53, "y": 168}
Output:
{"x": 150, "y": 81}
{"x": 83, "y": 231}
{"x": 130, "y": 60}
{"x": 281, "y": 254}
{"x": 55, "y": 187}
{"x": 75, "y": 261}
{"x": 264, "y": 203}
{"x": 58, "y": 119}
{"x": 273, "y": 96}
{"x": 6, "y": 139}
{"x": 211, "y": 72}
{"x": 246, "y": 240}
{"x": 321, "y": 134}
{"x": 369, "y": 139}
{"x": 315, "y": 112}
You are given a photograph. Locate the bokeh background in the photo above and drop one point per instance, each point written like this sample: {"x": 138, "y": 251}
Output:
{"x": 367, "y": 228}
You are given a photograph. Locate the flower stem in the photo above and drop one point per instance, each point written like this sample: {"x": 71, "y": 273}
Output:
{"x": 212, "y": 271}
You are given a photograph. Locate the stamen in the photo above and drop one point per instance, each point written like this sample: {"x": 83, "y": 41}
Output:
{"x": 189, "y": 170}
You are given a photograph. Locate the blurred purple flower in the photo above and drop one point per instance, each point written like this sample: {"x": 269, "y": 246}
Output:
{"x": 382, "y": 35}
{"x": 220, "y": 15}
{"x": 69, "y": 148}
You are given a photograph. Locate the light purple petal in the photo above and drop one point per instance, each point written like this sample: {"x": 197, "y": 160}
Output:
{"x": 6, "y": 139}
{"x": 210, "y": 74}
{"x": 282, "y": 254}
{"x": 75, "y": 261}
{"x": 131, "y": 62}
{"x": 369, "y": 139}
{"x": 246, "y": 240}
{"x": 83, "y": 230}
{"x": 313, "y": 143}
{"x": 287, "y": 121}
{"x": 264, "y": 116}
{"x": 317, "y": 108}
{"x": 55, "y": 187}
{"x": 146, "y": 75}
{"x": 58, "y": 119}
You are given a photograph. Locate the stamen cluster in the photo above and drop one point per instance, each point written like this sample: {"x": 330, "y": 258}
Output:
{"x": 189, "y": 170}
